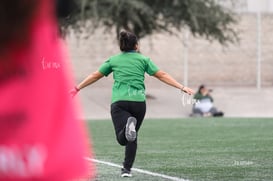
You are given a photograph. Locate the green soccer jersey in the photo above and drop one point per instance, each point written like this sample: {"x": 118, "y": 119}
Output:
{"x": 128, "y": 72}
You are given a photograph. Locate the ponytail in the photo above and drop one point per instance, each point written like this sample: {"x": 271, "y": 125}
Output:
{"x": 127, "y": 41}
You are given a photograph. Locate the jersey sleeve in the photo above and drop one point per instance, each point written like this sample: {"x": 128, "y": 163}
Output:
{"x": 151, "y": 67}
{"x": 105, "y": 68}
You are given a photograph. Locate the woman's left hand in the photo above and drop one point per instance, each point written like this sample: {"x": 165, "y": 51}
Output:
{"x": 187, "y": 90}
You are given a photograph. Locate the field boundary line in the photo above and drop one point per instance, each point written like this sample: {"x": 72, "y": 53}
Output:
{"x": 137, "y": 170}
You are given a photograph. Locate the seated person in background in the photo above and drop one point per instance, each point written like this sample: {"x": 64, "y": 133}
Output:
{"x": 204, "y": 105}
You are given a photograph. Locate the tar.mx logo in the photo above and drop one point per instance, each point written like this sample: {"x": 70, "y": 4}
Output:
{"x": 242, "y": 163}
{"x": 135, "y": 92}
{"x": 50, "y": 64}
{"x": 188, "y": 100}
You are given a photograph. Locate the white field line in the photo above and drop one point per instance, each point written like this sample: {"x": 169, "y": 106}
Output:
{"x": 137, "y": 170}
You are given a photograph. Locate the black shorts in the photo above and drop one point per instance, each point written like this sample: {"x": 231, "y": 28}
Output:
{"x": 122, "y": 110}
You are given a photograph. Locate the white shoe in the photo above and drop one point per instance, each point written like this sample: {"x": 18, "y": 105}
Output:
{"x": 130, "y": 130}
{"x": 125, "y": 173}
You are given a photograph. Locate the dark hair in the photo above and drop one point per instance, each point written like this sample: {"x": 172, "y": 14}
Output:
{"x": 15, "y": 19}
{"x": 201, "y": 87}
{"x": 127, "y": 41}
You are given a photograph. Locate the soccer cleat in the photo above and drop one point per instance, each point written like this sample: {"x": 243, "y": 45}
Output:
{"x": 125, "y": 173}
{"x": 218, "y": 114}
{"x": 130, "y": 130}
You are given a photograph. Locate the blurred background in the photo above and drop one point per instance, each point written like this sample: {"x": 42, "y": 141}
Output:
{"x": 224, "y": 44}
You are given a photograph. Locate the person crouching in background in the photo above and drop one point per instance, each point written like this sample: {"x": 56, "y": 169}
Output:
{"x": 204, "y": 105}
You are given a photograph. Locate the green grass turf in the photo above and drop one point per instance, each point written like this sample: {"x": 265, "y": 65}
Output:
{"x": 194, "y": 149}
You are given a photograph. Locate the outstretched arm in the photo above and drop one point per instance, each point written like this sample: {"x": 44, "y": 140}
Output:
{"x": 166, "y": 78}
{"x": 93, "y": 77}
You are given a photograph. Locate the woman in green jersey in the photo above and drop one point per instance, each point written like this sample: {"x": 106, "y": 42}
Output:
{"x": 128, "y": 95}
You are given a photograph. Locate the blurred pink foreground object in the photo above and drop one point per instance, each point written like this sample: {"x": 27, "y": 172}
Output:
{"x": 41, "y": 137}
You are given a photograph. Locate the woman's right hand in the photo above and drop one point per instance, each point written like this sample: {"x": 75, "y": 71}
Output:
{"x": 74, "y": 91}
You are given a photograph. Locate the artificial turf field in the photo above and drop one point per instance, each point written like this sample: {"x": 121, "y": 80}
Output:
{"x": 194, "y": 149}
